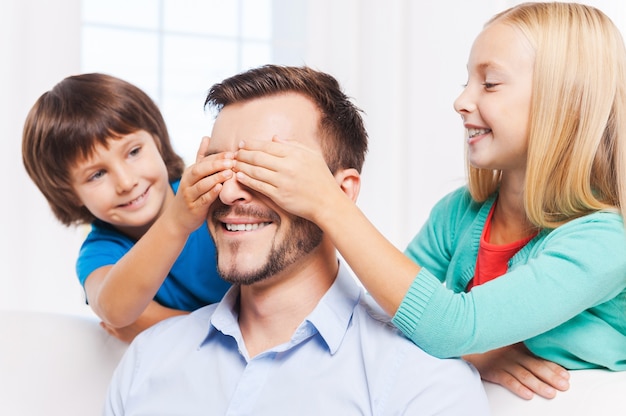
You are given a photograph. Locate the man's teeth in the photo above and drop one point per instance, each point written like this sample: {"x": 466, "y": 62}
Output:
{"x": 245, "y": 227}
{"x": 475, "y": 132}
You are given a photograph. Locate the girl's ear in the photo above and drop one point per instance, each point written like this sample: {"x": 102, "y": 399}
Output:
{"x": 349, "y": 181}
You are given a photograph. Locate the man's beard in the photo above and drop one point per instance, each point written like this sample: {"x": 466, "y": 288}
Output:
{"x": 301, "y": 239}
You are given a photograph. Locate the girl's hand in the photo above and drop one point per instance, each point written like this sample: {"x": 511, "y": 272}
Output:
{"x": 293, "y": 176}
{"x": 200, "y": 185}
{"x": 521, "y": 372}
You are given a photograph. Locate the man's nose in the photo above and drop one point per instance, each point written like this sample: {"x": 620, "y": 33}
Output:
{"x": 233, "y": 192}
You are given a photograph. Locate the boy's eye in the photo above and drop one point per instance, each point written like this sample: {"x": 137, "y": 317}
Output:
{"x": 135, "y": 151}
{"x": 489, "y": 85}
{"x": 96, "y": 176}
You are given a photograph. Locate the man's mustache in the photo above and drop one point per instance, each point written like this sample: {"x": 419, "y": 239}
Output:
{"x": 249, "y": 211}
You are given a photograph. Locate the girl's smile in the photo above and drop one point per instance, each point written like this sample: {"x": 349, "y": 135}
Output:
{"x": 495, "y": 104}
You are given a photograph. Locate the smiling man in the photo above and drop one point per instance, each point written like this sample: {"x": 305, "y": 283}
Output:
{"x": 295, "y": 335}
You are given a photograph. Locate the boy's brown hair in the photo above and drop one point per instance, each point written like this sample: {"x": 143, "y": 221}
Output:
{"x": 67, "y": 122}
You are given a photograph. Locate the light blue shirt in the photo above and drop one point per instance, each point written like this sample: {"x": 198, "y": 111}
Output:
{"x": 344, "y": 359}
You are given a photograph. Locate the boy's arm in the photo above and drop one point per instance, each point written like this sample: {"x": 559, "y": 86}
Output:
{"x": 120, "y": 293}
{"x": 153, "y": 314}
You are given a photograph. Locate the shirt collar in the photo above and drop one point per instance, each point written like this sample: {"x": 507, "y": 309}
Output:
{"x": 331, "y": 317}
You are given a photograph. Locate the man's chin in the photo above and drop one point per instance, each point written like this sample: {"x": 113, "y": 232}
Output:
{"x": 238, "y": 276}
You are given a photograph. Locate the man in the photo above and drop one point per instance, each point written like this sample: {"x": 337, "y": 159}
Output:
{"x": 296, "y": 335}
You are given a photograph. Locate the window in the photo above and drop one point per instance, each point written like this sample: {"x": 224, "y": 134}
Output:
{"x": 176, "y": 49}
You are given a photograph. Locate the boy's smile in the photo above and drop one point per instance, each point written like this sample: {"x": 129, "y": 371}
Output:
{"x": 125, "y": 183}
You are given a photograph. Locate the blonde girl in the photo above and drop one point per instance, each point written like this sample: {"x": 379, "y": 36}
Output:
{"x": 532, "y": 252}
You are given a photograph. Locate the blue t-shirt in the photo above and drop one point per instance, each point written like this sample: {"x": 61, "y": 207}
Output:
{"x": 193, "y": 280}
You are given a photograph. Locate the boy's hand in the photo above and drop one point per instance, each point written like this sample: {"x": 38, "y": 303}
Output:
{"x": 292, "y": 175}
{"x": 200, "y": 185}
{"x": 521, "y": 372}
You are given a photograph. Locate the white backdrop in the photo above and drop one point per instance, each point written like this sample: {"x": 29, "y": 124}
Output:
{"x": 404, "y": 63}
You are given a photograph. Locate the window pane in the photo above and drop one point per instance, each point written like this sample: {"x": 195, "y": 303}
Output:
{"x": 216, "y": 17}
{"x": 133, "y": 13}
{"x": 175, "y": 50}
{"x": 136, "y": 61}
{"x": 190, "y": 63}
{"x": 255, "y": 54}
{"x": 256, "y": 19}
{"x": 187, "y": 122}
{"x": 191, "y": 66}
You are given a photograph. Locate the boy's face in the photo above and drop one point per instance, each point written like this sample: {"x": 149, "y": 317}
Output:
{"x": 125, "y": 184}
{"x": 256, "y": 239}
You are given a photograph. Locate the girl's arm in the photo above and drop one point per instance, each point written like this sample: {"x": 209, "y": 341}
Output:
{"x": 120, "y": 293}
{"x": 298, "y": 179}
{"x": 557, "y": 278}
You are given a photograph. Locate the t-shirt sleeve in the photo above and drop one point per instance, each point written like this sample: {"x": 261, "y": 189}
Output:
{"x": 102, "y": 247}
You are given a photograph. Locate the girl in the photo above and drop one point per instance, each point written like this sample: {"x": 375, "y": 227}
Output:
{"x": 98, "y": 149}
{"x": 540, "y": 218}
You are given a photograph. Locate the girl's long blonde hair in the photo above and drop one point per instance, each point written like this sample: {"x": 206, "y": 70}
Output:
{"x": 576, "y": 147}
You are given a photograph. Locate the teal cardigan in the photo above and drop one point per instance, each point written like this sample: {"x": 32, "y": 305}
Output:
{"x": 564, "y": 294}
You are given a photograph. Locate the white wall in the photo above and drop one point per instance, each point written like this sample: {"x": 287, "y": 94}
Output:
{"x": 404, "y": 64}
{"x": 40, "y": 45}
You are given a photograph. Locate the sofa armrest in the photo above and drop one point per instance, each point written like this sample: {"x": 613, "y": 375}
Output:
{"x": 52, "y": 364}
{"x": 591, "y": 392}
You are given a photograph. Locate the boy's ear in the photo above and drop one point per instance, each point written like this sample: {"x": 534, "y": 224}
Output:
{"x": 349, "y": 181}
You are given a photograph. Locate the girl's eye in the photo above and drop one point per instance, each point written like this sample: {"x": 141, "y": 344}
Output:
{"x": 135, "y": 151}
{"x": 489, "y": 85}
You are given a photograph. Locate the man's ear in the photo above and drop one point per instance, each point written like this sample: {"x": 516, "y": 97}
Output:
{"x": 349, "y": 181}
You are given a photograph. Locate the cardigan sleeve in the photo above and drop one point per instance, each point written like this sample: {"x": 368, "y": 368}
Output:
{"x": 557, "y": 276}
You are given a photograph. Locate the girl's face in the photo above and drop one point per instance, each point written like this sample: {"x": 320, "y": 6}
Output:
{"x": 495, "y": 104}
{"x": 125, "y": 184}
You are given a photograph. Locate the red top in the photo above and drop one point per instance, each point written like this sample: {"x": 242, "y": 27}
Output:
{"x": 493, "y": 259}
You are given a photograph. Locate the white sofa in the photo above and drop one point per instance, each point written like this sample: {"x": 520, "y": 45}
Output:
{"x": 591, "y": 393}
{"x": 54, "y": 365}
{"x": 60, "y": 365}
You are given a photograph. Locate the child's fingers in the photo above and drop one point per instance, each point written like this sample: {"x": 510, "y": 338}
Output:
{"x": 207, "y": 185}
{"x": 266, "y": 158}
{"x": 550, "y": 375}
{"x": 266, "y": 188}
{"x": 267, "y": 146}
{"x": 512, "y": 383}
{"x": 203, "y": 149}
{"x": 261, "y": 172}
{"x": 277, "y": 146}
{"x": 210, "y": 165}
